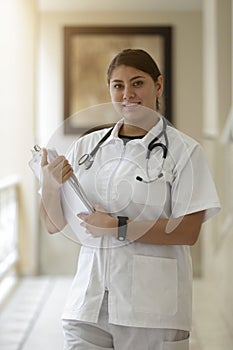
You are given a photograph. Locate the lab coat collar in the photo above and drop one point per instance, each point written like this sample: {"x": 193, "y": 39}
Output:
{"x": 151, "y": 134}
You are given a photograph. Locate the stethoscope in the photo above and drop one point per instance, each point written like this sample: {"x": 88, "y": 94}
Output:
{"x": 88, "y": 158}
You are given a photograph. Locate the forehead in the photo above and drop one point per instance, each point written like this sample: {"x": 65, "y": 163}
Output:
{"x": 123, "y": 72}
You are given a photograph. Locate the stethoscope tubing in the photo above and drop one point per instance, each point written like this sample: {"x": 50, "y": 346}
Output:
{"x": 88, "y": 158}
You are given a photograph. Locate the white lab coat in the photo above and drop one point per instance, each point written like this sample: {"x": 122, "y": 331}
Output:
{"x": 149, "y": 285}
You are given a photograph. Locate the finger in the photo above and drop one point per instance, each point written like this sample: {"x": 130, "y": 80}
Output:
{"x": 61, "y": 174}
{"x": 58, "y": 162}
{"x": 99, "y": 208}
{"x": 82, "y": 216}
{"x": 44, "y": 160}
{"x": 66, "y": 169}
{"x": 85, "y": 227}
{"x": 67, "y": 175}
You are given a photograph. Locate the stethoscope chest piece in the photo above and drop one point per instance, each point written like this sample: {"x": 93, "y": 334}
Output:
{"x": 87, "y": 160}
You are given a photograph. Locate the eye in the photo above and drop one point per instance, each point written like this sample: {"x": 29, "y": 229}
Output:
{"x": 138, "y": 83}
{"x": 117, "y": 86}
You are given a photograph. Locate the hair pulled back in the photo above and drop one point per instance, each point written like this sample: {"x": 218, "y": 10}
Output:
{"x": 136, "y": 58}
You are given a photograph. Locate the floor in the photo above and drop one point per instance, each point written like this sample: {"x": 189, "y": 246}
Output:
{"x": 31, "y": 317}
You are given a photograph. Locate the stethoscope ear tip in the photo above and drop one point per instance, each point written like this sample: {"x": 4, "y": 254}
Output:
{"x": 139, "y": 178}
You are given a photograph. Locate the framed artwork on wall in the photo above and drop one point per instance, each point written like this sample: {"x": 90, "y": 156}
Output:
{"x": 88, "y": 50}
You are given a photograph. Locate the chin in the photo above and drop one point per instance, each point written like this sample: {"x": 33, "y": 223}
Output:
{"x": 140, "y": 115}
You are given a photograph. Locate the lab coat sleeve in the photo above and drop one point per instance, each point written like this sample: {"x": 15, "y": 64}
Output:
{"x": 193, "y": 188}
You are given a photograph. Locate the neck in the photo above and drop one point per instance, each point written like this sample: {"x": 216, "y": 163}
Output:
{"x": 131, "y": 130}
{"x": 137, "y": 129}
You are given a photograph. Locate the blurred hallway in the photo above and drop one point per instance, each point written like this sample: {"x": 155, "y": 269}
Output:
{"x": 31, "y": 319}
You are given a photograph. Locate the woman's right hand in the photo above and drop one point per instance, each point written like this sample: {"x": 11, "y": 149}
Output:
{"x": 56, "y": 172}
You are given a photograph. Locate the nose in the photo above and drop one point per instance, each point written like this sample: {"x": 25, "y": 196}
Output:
{"x": 128, "y": 93}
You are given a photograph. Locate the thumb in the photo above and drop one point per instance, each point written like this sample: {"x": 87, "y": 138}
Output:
{"x": 44, "y": 160}
{"x": 99, "y": 208}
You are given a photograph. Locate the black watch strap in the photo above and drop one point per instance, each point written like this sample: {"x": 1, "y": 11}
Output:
{"x": 122, "y": 228}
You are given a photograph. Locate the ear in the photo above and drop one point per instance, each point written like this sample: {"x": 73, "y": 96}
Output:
{"x": 159, "y": 86}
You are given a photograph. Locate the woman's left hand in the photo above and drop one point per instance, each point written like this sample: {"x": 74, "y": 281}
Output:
{"x": 99, "y": 223}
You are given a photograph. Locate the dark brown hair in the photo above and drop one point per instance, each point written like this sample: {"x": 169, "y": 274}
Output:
{"x": 136, "y": 58}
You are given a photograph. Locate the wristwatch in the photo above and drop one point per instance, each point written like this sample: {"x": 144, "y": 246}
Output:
{"x": 122, "y": 228}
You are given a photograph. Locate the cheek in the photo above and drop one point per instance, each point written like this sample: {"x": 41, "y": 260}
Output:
{"x": 115, "y": 96}
{"x": 150, "y": 97}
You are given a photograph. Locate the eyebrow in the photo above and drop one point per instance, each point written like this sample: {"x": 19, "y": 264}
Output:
{"x": 118, "y": 80}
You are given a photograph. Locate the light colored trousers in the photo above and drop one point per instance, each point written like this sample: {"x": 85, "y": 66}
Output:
{"x": 105, "y": 336}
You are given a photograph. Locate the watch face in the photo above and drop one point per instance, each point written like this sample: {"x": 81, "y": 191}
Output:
{"x": 120, "y": 238}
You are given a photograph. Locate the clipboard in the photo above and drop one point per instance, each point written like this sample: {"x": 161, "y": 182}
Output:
{"x": 73, "y": 197}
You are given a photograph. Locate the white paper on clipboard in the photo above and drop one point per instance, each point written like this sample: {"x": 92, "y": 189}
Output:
{"x": 73, "y": 198}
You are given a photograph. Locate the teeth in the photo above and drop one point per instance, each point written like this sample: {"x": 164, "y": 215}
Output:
{"x": 130, "y": 104}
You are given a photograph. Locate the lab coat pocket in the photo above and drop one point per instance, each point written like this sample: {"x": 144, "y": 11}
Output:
{"x": 176, "y": 345}
{"x": 154, "y": 285}
{"x": 154, "y": 193}
{"x": 82, "y": 277}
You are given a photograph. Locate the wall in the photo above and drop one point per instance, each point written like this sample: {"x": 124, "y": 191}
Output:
{"x": 17, "y": 110}
{"x": 187, "y": 88}
{"x": 217, "y": 239}
{"x": 187, "y": 67}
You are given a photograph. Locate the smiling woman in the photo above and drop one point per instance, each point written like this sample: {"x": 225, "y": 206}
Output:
{"x": 135, "y": 84}
{"x": 134, "y": 91}
{"x": 151, "y": 190}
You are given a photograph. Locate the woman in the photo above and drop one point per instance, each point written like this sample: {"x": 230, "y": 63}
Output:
{"x": 133, "y": 286}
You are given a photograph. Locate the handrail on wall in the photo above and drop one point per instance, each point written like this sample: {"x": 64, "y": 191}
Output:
{"x": 8, "y": 224}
